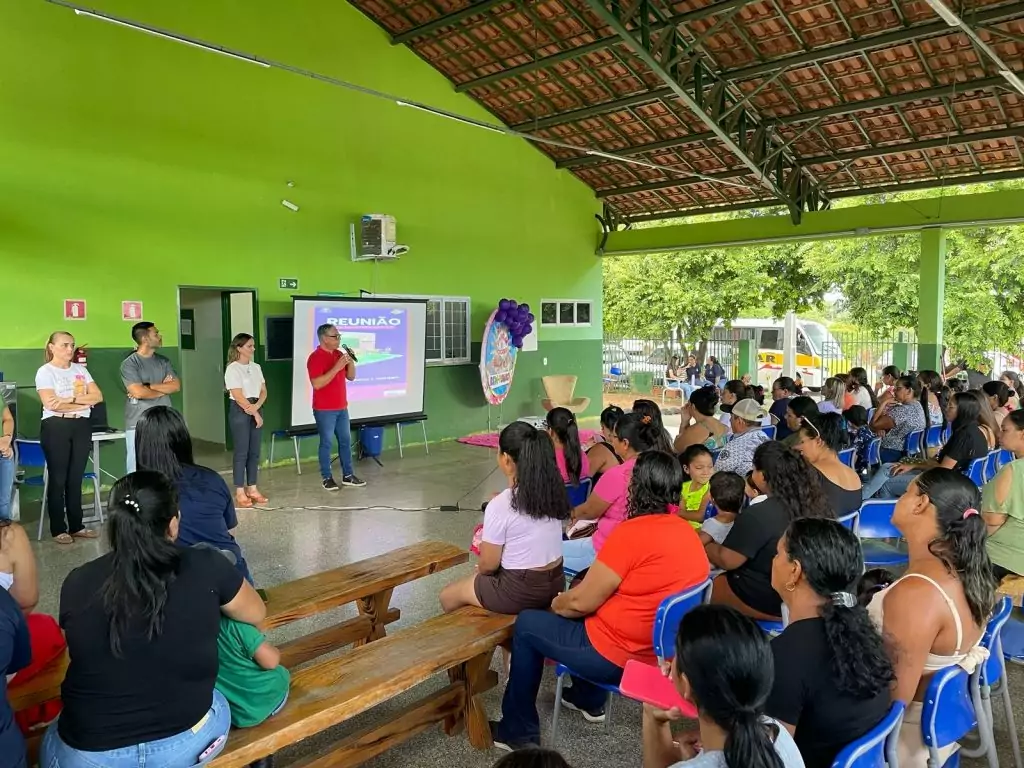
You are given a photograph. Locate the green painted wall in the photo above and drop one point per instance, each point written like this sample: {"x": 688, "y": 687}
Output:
{"x": 130, "y": 165}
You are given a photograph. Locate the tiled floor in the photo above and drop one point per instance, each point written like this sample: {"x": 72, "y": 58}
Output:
{"x": 306, "y": 530}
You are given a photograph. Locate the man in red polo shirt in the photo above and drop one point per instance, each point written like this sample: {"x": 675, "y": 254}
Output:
{"x": 330, "y": 370}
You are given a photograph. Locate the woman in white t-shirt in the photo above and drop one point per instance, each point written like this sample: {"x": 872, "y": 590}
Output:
{"x": 67, "y": 393}
{"x": 247, "y": 389}
{"x": 520, "y": 562}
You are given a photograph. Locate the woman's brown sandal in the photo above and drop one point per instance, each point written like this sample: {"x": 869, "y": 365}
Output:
{"x": 85, "y": 533}
{"x": 64, "y": 539}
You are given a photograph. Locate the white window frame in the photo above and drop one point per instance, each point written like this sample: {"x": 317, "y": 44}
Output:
{"x": 467, "y": 359}
{"x": 558, "y": 302}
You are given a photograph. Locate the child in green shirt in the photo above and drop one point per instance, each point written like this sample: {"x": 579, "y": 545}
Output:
{"x": 250, "y": 674}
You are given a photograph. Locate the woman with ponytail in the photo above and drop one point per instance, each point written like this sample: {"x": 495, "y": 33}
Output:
{"x": 723, "y": 666}
{"x": 601, "y": 455}
{"x": 936, "y": 614}
{"x": 832, "y": 670}
{"x": 520, "y": 563}
{"x": 572, "y": 462}
{"x": 142, "y": 623}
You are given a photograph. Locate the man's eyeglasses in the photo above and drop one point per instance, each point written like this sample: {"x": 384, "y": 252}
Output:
{"x": 332, "y": 336}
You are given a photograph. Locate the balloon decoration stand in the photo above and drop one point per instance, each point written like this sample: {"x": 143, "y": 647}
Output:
{"x": 504, "y": 332}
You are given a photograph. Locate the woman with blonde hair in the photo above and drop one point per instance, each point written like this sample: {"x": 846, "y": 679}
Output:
{"x": 247, "y": 389}
{"x": 67, "y": 393}
{"x": 833, "y": 396}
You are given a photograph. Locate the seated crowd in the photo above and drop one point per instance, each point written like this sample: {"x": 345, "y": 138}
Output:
{"x": 759, "y": 521}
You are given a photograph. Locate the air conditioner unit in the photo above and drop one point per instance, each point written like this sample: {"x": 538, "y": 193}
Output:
{"x": 375, "y": 239}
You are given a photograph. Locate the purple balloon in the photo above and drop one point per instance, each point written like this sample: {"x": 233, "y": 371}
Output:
{"x": 525, "y": 307}
{"x": 527, "y": 329}
{"x": 522, "y": 314}
{"x": 530, "y": 318}
{"x": 503, "y": 304}
{"x": 500, "y": 316}
{"x": 513, "y": 304}
{"x": 517, "y": 342}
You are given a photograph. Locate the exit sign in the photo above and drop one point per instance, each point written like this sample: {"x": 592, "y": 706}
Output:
{"x": 288, "y": 283}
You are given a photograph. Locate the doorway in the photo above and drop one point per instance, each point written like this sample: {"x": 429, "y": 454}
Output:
{"x": 208, "y": 319}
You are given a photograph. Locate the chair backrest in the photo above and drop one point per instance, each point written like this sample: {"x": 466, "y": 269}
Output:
{"x": 848, "y": 456}
{"x": 30, "y": 453}
{"x": 991, "y": 465}
{"x": 914, "y": 444}
{"x": 876, "y": 748}
{"x": 579, "y": 493}
{"x": 976, "y": 471}
{"x": 850, "y": 520}
{"x": 992, "y": 670}
{"x": 769, "y": 430}
{"x": 559, "y": 389}
{"x": 875, "y": 520}
{"x": 614, "y": 371}
{"x": 947, "y": 433}
{"x": 948, "y": 711}
{"x": 934, "y": 437}
{"x": 671, "y": 612}
{"x": 874, "y": 452}
{"x": 1005, "y": 457}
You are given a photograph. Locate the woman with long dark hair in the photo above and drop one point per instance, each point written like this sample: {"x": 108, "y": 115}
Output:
{"x": 520, "y": 562}
{"x": 966, "y": 443}
{"x": 698, "y": 425}
{"x": 986, "y": 418}
{"x": 163, "y": 444}
{"x": 832, "y": 669}
{"x": 601, "y": 455}
{"x": 794, "y": 491}
{"x": 998, "y": 395}
{"x": 648, "y": 409}
{"x": 936, "y": 614}
{"x": 858, "y": 386}
{"x": 142, "y": 623}
{"x": 608, "y": 619}
{"x": 633, "y": 434}
{"x": 733, "y": 391}
{"x": 932, "y": 397}
{"x": 1002, "y": 503}
{"x": 572, "y": 462}
{"x": 819, "y": 440}
{"x": 724, "y": 667}
{"x": 1013, "y": 381}
{"x": 247, "y": 390}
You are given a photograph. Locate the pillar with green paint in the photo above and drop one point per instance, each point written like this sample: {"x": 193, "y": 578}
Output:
{"x": 931, "y": 298}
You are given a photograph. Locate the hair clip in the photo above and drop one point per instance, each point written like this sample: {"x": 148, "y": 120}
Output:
{"x": 843, "y": 599}
{"x": 131, "y": 503}
{"x": 970, "y": 513}
{"x": 645, "y": 419}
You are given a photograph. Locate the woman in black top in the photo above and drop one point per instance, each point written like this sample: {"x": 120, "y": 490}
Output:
{"x": 794, "y": 490}
{"x": 601, "y": 455}
{"x": 141, "y": 624}
{"x": 819, "y": 440}
{"x": 832, "y": 670}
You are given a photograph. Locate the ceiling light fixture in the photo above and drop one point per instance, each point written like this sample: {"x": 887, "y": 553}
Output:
{"x": 169, "y": 36}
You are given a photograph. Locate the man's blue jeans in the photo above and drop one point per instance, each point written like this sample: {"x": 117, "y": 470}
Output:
{"x": 884, "y": 485}
{"x": 179, "y": 751}
{"x": 6, "y": 486}
{"x": 334, "y": 424}
{"x": 543, "y": 635}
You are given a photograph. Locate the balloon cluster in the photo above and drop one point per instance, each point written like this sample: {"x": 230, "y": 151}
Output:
{"x": 517, "y": 318}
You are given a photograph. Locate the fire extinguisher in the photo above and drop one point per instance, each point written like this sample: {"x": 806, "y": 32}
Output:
{"x": 81, "y": 355}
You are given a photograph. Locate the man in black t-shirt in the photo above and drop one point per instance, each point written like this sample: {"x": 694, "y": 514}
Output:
{"x": 783, "y": 390}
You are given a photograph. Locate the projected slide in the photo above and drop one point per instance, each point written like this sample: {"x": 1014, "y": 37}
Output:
{"x": 387, "y": 337}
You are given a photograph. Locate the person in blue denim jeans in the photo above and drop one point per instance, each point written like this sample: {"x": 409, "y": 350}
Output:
{"x": 6, "y": 463}
{"x": 330, "y": 369}
{"x": 142, "y": 638}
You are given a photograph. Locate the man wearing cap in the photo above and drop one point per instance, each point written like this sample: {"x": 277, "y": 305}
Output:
{"x": 738, "y": 454}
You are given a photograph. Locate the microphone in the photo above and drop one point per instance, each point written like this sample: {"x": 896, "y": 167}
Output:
{"x": 350, "y": 353}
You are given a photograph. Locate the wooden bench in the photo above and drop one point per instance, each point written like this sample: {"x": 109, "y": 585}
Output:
{"x": 368, "y": 583}
{"x": 333, "y": 691}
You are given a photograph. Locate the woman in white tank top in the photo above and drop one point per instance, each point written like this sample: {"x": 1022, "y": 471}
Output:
{"x": 936, "y": 614}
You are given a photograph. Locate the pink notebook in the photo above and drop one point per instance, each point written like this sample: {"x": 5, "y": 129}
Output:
{"x": 645, "y": 683}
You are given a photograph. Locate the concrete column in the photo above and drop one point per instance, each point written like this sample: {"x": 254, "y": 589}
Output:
{"x": 930, "y": 299}
{"x": 748, "y": 358}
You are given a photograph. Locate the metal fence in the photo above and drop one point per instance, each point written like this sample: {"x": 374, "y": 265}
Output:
{"x": 872, "y": 352}
{"x": 626, "y": 360}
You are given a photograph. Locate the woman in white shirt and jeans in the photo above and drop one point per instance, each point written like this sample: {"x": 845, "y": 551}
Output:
{"x": 247, "y": 389}
{"x": 67, "y": 393}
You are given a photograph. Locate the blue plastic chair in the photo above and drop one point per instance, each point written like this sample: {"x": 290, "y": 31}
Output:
{"x": 948, "y": 713}
{"x": 992, "y": 679}
{"x": 579, "y": 493}
{"x": 875, "y": 522}
{"x": 947, "y": 433}
{"x": 771, "y": 627}
{"x": 874, "y": 452}
{"x": 914, "y": 443}
{"x": 850, "y": 521}
{"x": 770, "y": 430}
{"x": 666, "y": 626}
{"x": 877, "y": 747}
{"x": 848, "y": 456}
{"x": 1005, "y": 457}
{"x": 991, "y": 465}
{"x": 30, "y": 456}
{"x": 976, "y": 471}
{"x": 933, "y": 438}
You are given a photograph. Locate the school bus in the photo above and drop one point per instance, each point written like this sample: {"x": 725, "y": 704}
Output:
{"x": 818, "y": 354}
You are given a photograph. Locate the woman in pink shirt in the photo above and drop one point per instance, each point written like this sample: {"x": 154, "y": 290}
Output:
{"x": 520, "y": 563}
{"x": 633, "y": 434}
{"x": 572, "y": 462}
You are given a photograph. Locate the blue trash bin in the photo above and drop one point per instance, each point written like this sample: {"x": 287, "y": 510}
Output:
{"x": 372, "y": 441}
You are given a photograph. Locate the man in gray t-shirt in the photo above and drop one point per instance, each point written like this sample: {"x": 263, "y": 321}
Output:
{"x": 149, "y": 380}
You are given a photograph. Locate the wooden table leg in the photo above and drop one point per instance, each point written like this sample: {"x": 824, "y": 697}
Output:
{"x": 477, "y": 676}
{"x": 375, "y": 608}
